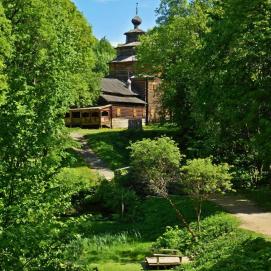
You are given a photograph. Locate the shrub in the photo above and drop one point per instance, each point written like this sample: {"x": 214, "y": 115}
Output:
{"x": 154, "y": 164}
{"x": 238, "y": 250}
{"x": 212, "y": 228}
{"x": 117, "y": 200}
{"x": 201, "y": 178}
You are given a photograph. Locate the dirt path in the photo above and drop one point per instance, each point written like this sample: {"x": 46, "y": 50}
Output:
{"x": 251, "y": 217}
{"x": 91, "y": 158}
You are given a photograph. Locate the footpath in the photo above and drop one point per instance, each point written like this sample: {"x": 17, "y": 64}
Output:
{"x": 91, "y": 159}
{"x": 251, "y": 216}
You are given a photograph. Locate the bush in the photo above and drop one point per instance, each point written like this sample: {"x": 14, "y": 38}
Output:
{"x": 154, "y": 165}
{"x": 238, "y": 250}
{"x": 212, "y": 228}
{"x": 202, "y": 178}
{"x": 108, "y": 198}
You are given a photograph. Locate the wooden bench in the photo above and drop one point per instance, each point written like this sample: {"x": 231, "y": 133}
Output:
{"x": 163, "y": 260}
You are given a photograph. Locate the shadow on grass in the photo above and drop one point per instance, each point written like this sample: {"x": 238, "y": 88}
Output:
{"x": 154, "y": 215}
{"x": 261, "y": 196}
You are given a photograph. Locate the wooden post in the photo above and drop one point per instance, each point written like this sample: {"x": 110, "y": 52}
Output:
{"x": 111, "y": 116}
{"x": 80, "y": 118}
{"x": 100, "y": 111}
{"x": 70, "y": 118}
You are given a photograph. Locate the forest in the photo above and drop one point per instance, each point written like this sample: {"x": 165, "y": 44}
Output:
{"x": 214, "y": 60}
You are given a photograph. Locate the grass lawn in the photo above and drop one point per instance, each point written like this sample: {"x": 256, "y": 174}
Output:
{"x": 118, "y": 267}
{"x": 111, "y": 144}
{"x": 75, "y": 171}
{"x": 118, "y": 245}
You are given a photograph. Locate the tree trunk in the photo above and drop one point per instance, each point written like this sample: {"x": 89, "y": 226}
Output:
{"x": 199, "y": 208}
{"x": 181, "y": 217}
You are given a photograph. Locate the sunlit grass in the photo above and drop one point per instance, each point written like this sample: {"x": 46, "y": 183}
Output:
{"x": 111, "y": 144}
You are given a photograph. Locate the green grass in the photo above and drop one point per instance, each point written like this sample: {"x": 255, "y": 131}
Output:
{"x": 262, "y": 196}
{"x": 111, "y": 266}
{"x": 118, "y": 246}
{"x": 122, "y": 253}
{"x": 111, "y": 144}
{"x": 155, "y": 214}
{"x": 115, "y": 244}
{"x": 75, "y": 171}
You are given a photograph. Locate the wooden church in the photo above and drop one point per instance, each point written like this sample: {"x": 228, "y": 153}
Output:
{"x": 126, "y": 100}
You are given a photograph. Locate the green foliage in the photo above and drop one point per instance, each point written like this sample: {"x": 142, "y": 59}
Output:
{"x": 214, "y": 61}
{"x": 232, "y": 100}
{"x": 169, "y": 52}
{"x": 104, "y": 54}
{"x": 220, "y": 246}
{"x": 212, "y": 228}
{"x": 201, "y": 178}
{"x": 50, "y": 68}
{"x": 111, "y": 145}
{"x": 121, "y": 249}
{"x": 169, "y": 9}
{"x": 107, "y": 198}
{"x": 5, "y": 51}
{"x": 155, "y": 163}
{"x": 233, "y": 251}
{"x": 93, "y": 231}
{"x": 117, "y": 200}
{"x": 261, "y": 196}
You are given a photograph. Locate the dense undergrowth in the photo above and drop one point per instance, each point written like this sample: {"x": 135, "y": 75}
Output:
{"x": 220, "y": 245}
{"x": 237, "y": 250}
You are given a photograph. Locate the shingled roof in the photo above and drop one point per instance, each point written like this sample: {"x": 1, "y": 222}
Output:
{"x": 125, "y": 59}
{"x": 115, "y": 86}
{"x": 115, "y": 91}
{"x": 122, "y": 99}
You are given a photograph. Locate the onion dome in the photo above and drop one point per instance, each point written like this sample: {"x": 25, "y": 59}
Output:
{"x": 136, "y": 21}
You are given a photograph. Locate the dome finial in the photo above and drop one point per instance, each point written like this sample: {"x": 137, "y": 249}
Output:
{"x": 136, "y": 20}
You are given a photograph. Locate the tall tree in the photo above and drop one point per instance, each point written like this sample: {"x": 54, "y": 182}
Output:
{"x": 52, "y": 67}
{"x": 168, "y": 9}
{"x": 104, "y": 53}
{"x": 168, "y": 51}
{"x": 233, "y": 96}
{"x": 5, "y": 51}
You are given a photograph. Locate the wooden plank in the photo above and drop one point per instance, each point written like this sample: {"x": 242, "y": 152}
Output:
{"x": 163, "y": 261}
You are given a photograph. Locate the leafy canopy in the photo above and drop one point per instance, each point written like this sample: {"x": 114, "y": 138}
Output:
{"x": 201, "y": 178}
{"x": 155, "y": 163}
{"x": 46, "y": 64}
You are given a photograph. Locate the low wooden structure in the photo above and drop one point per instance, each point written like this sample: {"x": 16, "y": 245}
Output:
{"x": 99, "y": 116}
{"x": 168, "y": 259}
